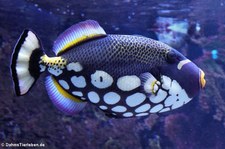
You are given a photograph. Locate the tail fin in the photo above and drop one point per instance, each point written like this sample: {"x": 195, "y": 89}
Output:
{"x": 25, "y": 67}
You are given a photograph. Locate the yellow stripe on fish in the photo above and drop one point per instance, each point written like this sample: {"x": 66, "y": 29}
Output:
{"x": 78, "y": 41}
{"x": 63, "y": 92}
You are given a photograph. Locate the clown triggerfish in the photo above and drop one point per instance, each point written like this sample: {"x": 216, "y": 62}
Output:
{"x": 123, "y": 75}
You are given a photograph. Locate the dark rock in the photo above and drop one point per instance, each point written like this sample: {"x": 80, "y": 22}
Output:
{"x": 2, "y": 136}
{"x": 210, "y": 28}
{"x": 1, "y": 40}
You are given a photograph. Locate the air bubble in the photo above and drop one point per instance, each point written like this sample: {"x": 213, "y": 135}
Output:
{"x": 82, "y": 14}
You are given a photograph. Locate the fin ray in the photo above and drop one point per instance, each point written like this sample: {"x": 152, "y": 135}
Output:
{"x": 61, "y": 99}
{"x": 76, "y": 34}
{"x": 149, "y": 83}
{"x": 24, "y": 66}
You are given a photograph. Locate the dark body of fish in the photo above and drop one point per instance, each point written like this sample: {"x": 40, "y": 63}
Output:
{"x": 119, "y": 54}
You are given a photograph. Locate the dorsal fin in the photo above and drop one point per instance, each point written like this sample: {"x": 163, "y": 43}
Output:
{"x": 76, "y": 34}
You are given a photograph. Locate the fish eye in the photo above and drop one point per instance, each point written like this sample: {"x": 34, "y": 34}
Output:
{"x": 173, "y": 57}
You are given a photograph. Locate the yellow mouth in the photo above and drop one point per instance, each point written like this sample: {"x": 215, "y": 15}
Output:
{"x": 202, "y": 79}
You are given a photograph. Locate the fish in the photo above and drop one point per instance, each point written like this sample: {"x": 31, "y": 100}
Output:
{"x": 123, "y": 75}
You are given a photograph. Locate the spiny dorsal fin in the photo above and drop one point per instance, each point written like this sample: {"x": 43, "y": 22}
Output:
{"x": 76, "y": 34}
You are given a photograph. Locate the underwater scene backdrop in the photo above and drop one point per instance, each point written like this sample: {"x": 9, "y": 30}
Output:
{"x": 196, "y": 28}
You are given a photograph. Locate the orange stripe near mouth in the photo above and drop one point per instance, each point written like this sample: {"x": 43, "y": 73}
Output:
{"x": 202, "y": 79}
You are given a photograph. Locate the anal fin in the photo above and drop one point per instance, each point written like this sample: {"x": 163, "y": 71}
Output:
{"x": 61, "y": 99}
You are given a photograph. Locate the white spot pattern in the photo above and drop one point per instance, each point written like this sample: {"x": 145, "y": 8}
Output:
{"x": 178, "y": 96}
{"x": 101, "y": 79}
{"x": 54, "y": 70}
{"x": 166, "y": 82}
{"x": 142, "y": 114}
{"x": 177, "y": 101}
{"x": 119, "y": 109}
{"x": 164, "y": 110}
{"x": 135, "y": 99}
{"x": 78, "y": 81}
{"x": 143, "y": 108}
{"x": 77, "y": 67}
{"x": 111, "y": 98}
{"x": 161, "y": 95}
{"x": 128, "y": 83}
{"x": 83, "y": 98}
{"x": 103, "y": 107}
{"x": 93, "y": 97}
{"x": 128, "y": 114}
{"x": 64, "y": 84}
{"x": 43, "y": 67}
{"x": 156, "y": 108}
{"x": 77, "y": 93}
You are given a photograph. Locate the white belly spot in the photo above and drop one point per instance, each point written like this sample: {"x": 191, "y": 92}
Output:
{"x": 93, "y": 97}
{"x": 160, "y": 96}
{"x": 111, "y": 98}
{"x": 128, "y": 114}
{"x": 156, "y": 108}
{"x": 76, "y": 93}
{"x": 64, "y": 84}
{"x": 103, "y": 107}
{"x": 128, "y": 83}
{"x": 79, "y": 82}
{"x": 143, "y": 108}
{"x": 119, "y": 109}
{"x": 142, "y": 114}
{"x": 135, "y": 99}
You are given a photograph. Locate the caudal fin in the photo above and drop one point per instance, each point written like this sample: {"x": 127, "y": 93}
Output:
{"x": 25, "y": 67}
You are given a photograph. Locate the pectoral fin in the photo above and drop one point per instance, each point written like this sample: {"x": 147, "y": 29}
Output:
{"x": 149, "y": 83}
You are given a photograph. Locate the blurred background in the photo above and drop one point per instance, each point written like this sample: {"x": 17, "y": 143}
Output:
{"x": 194, "y": 27}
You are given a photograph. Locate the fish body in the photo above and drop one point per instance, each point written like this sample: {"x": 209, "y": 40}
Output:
{"x": 119, "y": 54}
{"x": 123, "y": 75}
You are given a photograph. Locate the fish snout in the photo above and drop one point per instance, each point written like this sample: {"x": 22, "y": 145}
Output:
{"x": 202, "y": 79}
